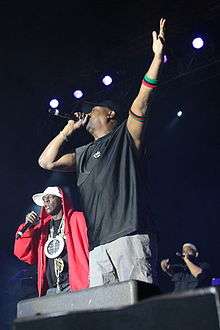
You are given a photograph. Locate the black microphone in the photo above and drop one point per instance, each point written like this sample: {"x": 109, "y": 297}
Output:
{"x": 58, "y": 113}
{"x": 23, "y": 230}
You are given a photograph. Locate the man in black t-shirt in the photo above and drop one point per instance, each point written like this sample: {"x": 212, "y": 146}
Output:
{"x": 189, "y": 274}
{"x": 112, "y": 183}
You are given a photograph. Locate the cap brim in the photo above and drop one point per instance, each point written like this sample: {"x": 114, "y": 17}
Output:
{"x": 38, "y": 199}
{"x": 87, "y": 106}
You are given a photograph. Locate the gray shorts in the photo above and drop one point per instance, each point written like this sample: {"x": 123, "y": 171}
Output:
{"x": 129, "y": 257}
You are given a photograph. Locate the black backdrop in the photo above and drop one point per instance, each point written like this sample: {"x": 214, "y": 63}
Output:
{"x": 49, "y": 51}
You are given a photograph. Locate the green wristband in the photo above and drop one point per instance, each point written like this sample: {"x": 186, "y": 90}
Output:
{"x": 150, "y": 80}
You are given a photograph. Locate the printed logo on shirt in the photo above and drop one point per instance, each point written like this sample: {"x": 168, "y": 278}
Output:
{"x": 97, "y": 154}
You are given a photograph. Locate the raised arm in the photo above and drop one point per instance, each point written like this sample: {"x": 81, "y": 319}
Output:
{"x": 138, "y": 109}
{"x": 51, "y": 159}
{"x": 194, "y": 269}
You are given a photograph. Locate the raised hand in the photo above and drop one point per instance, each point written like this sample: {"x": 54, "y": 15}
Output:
{"x": 165, "y": 265}
{"x": 159, "y": 39}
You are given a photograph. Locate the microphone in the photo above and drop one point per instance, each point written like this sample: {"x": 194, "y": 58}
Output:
{"x": 23, "y": 230}
{"x": 58, "y": 113}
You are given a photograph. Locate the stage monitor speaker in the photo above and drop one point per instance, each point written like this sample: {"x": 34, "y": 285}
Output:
{"x": 196, "y": 309}
{"x": 101, "y": 297}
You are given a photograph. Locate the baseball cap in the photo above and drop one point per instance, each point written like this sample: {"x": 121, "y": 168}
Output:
{"x": 87, "y": 106}
{"x": 192, "y": 246}
{"x": 38, "y": 198}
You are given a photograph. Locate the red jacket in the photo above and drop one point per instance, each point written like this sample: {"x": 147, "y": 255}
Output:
{"x": 30, "y": 248}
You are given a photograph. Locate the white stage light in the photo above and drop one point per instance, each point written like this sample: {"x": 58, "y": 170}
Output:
{"x": 54, "y": 103}
{"x": 78, "y": 94}
{"x": 107, "y": 80}
{"x": 198, "y": 43}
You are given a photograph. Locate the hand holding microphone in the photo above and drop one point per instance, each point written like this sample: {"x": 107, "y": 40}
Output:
{"x": 183, "y": 256}
{"x": 76, "y": 116}
{"x": 69, "y": 116}
{"x": 31, "y": 220}
{"x": 76, "y": 121}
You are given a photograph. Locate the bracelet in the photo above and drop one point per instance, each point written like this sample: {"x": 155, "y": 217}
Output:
{"x": 64, "y": 136}
{"x": 148, "y": 85}
{"x": 141, "y": 119}
{"x": 149, "y": 82}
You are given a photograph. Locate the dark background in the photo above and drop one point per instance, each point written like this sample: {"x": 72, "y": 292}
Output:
{"x": 48, "y": 50}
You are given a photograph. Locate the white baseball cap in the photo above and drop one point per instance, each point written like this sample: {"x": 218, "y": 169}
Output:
{"x": 38, "y": 198}
{"x": 192, "y": 246}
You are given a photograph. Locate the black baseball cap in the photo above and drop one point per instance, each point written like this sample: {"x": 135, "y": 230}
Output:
{"x": 87, "y": 106}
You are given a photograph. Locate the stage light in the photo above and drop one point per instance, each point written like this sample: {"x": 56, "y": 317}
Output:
{"x": 179, "y": 113}
{"x": 107, "y": 80}
{"x": 78, "y": 94}
{"x": 198, "y": 43}
{"x": 165, "y": 59}
{"x": 54, "y": 103}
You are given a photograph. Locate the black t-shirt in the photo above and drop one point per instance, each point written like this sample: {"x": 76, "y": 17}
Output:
{"x": 184, "y": 280}
{"x": 50, "y": 273}
{"x": 112, "y": 185}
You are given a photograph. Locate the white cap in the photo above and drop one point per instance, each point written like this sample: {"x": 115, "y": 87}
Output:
{"x": 190, "y": 245}
{"x": 38, "y": 198}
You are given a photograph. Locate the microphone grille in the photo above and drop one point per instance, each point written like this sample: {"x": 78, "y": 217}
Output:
{"x": 54, "y": 112}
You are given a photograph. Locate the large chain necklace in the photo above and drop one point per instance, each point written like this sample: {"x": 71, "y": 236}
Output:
{"x": 55, "y": 245}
